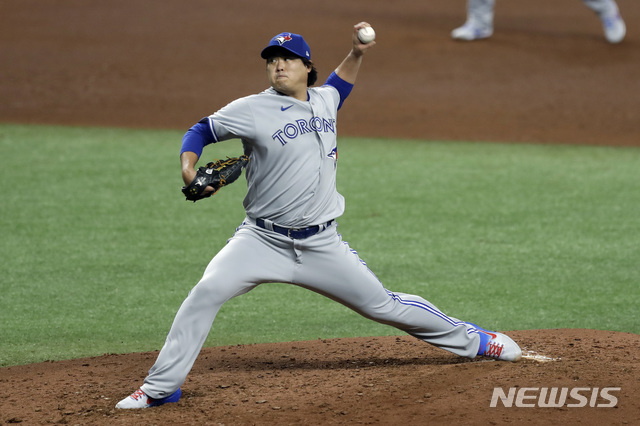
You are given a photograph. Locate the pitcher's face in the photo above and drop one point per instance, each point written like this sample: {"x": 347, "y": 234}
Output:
{"x": 288, "y": 75}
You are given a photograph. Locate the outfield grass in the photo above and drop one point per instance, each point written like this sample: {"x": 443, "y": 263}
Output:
{"x": 99, "y": 248}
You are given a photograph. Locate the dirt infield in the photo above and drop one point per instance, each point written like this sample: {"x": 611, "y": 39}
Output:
{"x": 547, "y": 76}
{"x": 381, "y": 380}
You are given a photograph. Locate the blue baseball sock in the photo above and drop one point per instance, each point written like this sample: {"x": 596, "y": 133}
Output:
{"x": 484, "y": 339}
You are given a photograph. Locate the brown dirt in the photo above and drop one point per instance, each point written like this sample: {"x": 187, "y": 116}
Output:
{"x": 547, "y": 76}
{"x": 374, "y": 380}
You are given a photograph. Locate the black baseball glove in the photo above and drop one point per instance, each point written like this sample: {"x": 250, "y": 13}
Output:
{"x": 215, "y": 174}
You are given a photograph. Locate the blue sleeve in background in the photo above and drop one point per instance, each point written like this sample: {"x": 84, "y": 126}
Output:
{"x": 197, "y": 137}
{"x": 343, "y": 87}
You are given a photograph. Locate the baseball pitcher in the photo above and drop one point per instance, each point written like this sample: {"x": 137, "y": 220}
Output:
{"x": 290, "y": 235}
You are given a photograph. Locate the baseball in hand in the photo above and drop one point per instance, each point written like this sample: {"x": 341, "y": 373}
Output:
{"x": 366, "y": 35}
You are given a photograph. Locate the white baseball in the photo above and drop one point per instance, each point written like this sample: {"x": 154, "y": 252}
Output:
{"x": 366, "y": 35}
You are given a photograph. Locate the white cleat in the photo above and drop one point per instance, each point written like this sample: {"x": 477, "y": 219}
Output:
{"x": 470, "y": 32}
{"x": 498, "y": 346}
{"x": 502, "y": 348}
{"x": 139, "y": 399}
{"x": 614, "y": 28}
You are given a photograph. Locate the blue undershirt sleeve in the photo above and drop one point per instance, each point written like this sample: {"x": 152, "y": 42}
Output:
{"x": 343, "y": 87}
{"x": 197, "y": 137}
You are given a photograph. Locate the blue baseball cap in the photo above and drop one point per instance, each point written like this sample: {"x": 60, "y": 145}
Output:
{"x": 294, "y": 43}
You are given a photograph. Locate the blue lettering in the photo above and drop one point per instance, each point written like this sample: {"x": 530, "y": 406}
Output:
{"x": 329, "y": 125}
{"x": 278, "y": 136}
{"x": 316, "y": 124}
{"x": 301, "y": 127}
{"x": 291, "y": 131}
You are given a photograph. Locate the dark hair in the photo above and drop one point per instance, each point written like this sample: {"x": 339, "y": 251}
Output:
{"x": 312, "y": 77}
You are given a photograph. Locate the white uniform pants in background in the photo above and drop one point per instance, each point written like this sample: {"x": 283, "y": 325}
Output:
{"x": 480, "y": 12}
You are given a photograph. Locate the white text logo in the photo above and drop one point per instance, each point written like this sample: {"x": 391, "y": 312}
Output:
{"x": 555, "y": 397}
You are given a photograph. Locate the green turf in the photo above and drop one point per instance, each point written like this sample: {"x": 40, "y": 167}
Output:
{"x": 99, "y": 248}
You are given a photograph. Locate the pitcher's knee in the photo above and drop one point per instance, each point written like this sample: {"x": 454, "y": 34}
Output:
{"x": 219, "y": 291}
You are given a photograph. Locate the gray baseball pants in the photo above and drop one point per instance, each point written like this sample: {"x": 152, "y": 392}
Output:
{"x": 323, "y": 263}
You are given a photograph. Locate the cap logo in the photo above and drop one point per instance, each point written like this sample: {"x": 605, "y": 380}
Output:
{"x": 283, "y": 39}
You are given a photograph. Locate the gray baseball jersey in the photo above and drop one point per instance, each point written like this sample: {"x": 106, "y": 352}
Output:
{"x": 291, "y": 178}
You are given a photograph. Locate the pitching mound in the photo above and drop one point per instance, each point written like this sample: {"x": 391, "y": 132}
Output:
{"x": 380, "y": 380}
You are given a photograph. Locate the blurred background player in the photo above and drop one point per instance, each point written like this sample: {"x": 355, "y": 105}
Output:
{"x": 480, "y": 13}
